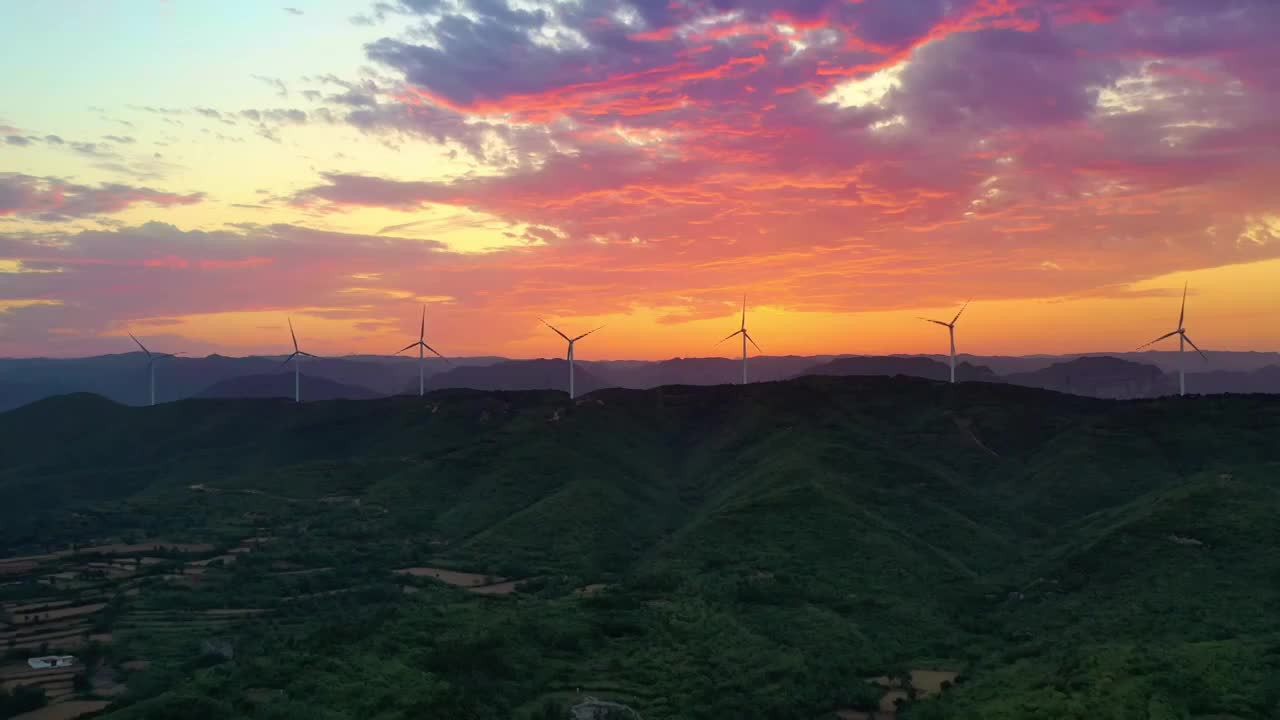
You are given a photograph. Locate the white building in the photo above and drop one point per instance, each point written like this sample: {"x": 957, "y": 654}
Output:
{"x": 52, "y": 661}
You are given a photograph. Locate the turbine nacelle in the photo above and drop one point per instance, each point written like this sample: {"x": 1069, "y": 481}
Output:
{"x": 746, "y": 338}
{"x": 569, "y": 354}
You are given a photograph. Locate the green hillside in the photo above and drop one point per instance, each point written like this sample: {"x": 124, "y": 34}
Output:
{"x": 690, "y": 552}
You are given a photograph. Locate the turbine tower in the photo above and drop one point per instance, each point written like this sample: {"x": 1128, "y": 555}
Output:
{"x": 745, "y": 337}
{"x": 151, "y": 364}
{"x": 421, "y": 344}
{"x": 951, "y": 330}
{"x": 571, "y": 342}
{"x": 1183, "y": 340}
{"x": 296, "y": 357}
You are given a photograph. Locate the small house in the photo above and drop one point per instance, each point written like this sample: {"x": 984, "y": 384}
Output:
{"x": 52, "y": 661}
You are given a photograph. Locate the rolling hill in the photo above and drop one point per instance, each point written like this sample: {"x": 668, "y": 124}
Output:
{"x": 1104, "y": 377}
{"x": 280, "y": 384}
{"x": 123, "y": 378}
{"x": 920, "y": 367}
{"x": 691, "y": 552}
{"x": 513, "y": 375}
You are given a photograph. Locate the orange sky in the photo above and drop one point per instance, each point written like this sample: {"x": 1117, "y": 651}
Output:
{"x": 850, "y": 166}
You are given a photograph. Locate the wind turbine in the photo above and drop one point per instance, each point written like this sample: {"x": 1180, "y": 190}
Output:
{"x": 571, "y": 342}
{"x": 151, "y": 364}
{"x": 1181, "y": 332}
{"x": 422, "y": 333}
{"x": 951, "y": 330}
{"x": 296, "y": 358}
{"x": 745, "y": 337}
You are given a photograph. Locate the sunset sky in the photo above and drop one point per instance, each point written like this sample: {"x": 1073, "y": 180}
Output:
{"x": 195, "y": 172}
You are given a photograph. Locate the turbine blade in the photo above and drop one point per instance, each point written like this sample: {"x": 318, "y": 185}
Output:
{"x": 935, "y": 322}
{"x": 744, "y": 311}
{"x": 407, "y": 347}
{"x": 436, "y": 353}
{"x": 553, "y": 327}
{"x": 753, "y": 341}
{"x": 1183, "y": 312}
{"x": 295, "y": 337}
{"x": 422, "y": 330}
{"x": 1206, "y": 357}
{"x": 962, "y": 307}
{"x": 1162, "y": 337}
{"x": 587, "y": 333}
{"x": 144, "y": 347}
{"x": 735, "y": 332}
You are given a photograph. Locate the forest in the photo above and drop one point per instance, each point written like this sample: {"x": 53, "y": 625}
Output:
{"x": 824, "y": 547}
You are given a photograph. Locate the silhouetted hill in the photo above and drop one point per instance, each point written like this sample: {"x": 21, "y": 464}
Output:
{"x": 123, "y": 377}
{"x": 1261, "y": 380}
{"x": 1101, "y": 377}
{"x": 921, "y": 367}
{"x": 699, "y": 371}
{"x": 513, "y": 375}
{"x": 281, "y": 385}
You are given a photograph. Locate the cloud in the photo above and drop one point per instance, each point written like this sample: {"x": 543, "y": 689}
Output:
{"x": 834, "y": 154}
{"x": 50, "y": 199}
{"x": 276, "y": 83}
{"x": 293, "y": 11}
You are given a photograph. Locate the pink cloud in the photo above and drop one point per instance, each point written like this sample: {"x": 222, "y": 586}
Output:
{"x": 53, "y": 199}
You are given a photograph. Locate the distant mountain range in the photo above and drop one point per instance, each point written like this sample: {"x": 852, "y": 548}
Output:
{"x": 123, "y": 378}
{"x": 921, "y": 367}
{"x": 281, "y": 385}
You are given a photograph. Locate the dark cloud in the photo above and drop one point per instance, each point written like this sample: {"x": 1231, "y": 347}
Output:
{"x": 19, "y": 140}
{"x": 121, "y": 139}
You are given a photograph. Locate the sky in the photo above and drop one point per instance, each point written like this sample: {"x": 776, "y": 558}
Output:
{"x": 195, "y": 173}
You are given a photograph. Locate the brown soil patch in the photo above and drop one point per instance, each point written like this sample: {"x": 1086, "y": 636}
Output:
{"x": 38, "y": 633}
{"x": 862, "y": 715}
{"x": 44, "y": 605}
{"x": 34, "y": 629}
{"x": 929, "y": 682}
{"x": 65, "y": 643}
{"x": 18, "y": 670}
{"x": 234, "y": 612}
{"x": 18, "y": 568}
{"x": 58, "y": 613}
{"x": 309, "y": 571}
{"x": 134, "y": 548}
{"x": 25, "y": 675}
{"x": 452, "y": 577}
{"x": 205, "y": 563}
{"x": 889, "y": 702}
{"x": 502, "y": 588}
{"x": 68, "y": 710}
{"x": 592, "y": 589}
